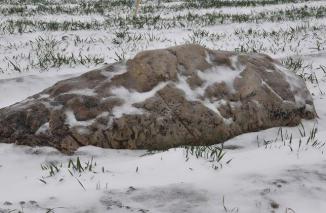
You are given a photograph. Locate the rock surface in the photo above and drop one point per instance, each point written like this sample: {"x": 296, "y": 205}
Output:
{"x": 159, "y": 99}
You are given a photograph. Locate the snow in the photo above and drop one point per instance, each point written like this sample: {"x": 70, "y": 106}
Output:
{"x": 72, "y": 121}
{"x": 119, "y": 69}
{"x": 248, "y": 10}
{"x": 222, "y": 73}
{"x": 295, "y": 85}
{"x": 87, "y": 92}
{"x": 131, "y": 97}
{"x": 265, "y": 171}
{"x": 165, "y": 181}
{"x": 43, "y": 128}
{"x": 18, "y": 88}
{"x": 211, "y": 76}
{"x": 272, "y": 90}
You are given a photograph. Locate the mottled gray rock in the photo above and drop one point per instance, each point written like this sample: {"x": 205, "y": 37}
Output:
{"x": 159, "y": 99}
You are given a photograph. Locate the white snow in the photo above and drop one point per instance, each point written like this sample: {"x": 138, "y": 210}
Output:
{"x": 211, "y": 76}
{"x": 272, "y": 90}
{"x": 43, "y": 128}
{"x": 72, "y": 121}
{"x": 119, "y": 69}
{"x": 295, "y": 85}
{"x": 131, "y": 97}
{"x": 218, "y": 74}
{"x": 87, "y": 92}
{"x": 260, "y": 170}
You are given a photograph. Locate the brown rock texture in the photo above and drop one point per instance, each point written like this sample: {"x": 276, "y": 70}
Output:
{"x": 160, "y": 99}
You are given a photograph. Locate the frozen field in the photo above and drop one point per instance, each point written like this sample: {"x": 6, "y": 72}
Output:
{"x": 276, "y": 170}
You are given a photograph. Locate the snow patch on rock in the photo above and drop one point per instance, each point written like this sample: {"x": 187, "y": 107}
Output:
{"x": 131, "y": 97}
{"x": 295, "y": 85}
{"x": 214, "y": 75}
{"x": 43, "y": 129}
{"x": 87, "y": 92}
{"x": 118, "y": 69}
{"x": 72, "y": 121}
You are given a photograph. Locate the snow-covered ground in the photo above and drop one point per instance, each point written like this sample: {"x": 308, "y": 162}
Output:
{"x": 275, "y": 170}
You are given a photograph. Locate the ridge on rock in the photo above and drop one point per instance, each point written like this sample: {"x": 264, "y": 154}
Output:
{"x": 159, "y": 99}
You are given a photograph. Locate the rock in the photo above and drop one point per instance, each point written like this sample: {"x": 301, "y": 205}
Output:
{"x": 160, "y": 99}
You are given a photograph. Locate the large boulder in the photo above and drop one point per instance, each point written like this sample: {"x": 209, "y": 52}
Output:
{"x": 159, "y": 99}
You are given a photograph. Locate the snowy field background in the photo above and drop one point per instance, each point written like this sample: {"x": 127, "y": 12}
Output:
{"x": 276, "y": 170}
